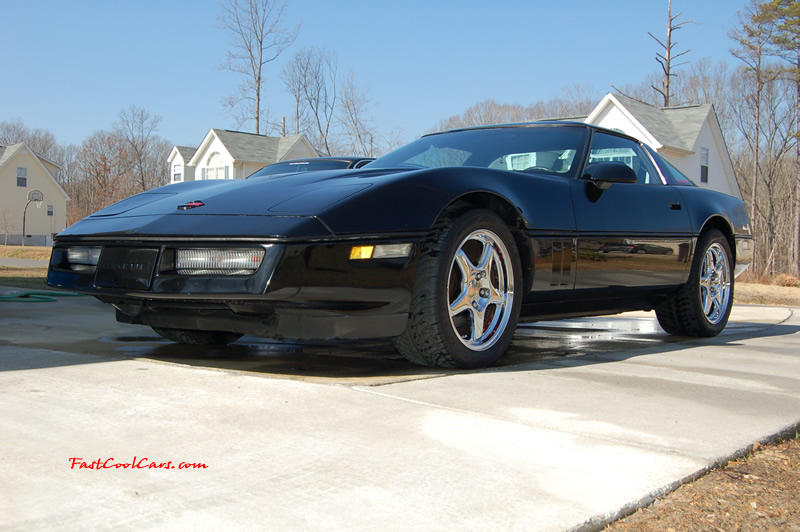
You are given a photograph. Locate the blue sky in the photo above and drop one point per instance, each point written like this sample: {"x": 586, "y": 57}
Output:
{"x": 71, "y": 67}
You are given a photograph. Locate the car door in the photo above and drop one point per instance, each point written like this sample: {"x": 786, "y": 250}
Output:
{"x": 631, "y": 236}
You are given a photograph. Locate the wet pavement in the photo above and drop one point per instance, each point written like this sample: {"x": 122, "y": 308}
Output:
{"x": 84, "y": 325}
{"x": 583, "y": 421}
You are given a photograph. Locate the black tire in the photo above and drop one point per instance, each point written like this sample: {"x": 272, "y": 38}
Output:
{"x": 464, "y": 308}
{"x": 186, "y": 336}
{"x": 701, "y": 307}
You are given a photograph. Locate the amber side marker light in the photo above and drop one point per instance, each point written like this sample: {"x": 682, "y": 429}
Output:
{"x": 380, "y": 251}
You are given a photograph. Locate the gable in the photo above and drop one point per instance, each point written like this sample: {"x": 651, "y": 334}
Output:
{"x": 183, "y": 154}
{"x": 20, "y": 155}
{"x": 679, "y": 134}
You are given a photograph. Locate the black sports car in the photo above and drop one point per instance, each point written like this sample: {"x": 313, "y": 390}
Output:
{"x": 312, "y": 164}
{"x": 442, "y": 245}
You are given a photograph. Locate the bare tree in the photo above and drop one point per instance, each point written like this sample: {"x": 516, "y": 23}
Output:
{"x": 295, "y": 76}
{"x": 41, "y": 141}
{"x": 666, "y": 58}
{"x": 752, "y": 39}
{"x": 577, "y": 101}
{"x": 138, "y": 128}
{"x": 786, "y": 40}
{"x": 354, "y": 116}
{"x": 258, "y": 39}
{"x": 6, "y": 224}
{"x": 311, "y": 77}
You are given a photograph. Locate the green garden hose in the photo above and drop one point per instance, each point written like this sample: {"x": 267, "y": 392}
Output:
{"x": 35, "y": 296}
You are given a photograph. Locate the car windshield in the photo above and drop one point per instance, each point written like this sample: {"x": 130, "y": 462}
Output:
{"x": 300, "y": 166}
{"x": 548, "y": 149}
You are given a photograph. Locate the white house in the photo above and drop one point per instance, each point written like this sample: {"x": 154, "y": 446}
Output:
{"x": 179, "y": 169}
{"x": 227, "y": 154}
{"x": 689, "y": 137}
{"x": 25, "y": 177}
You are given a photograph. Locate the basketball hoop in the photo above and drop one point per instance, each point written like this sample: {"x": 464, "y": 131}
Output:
{"x": 33, "y": 195}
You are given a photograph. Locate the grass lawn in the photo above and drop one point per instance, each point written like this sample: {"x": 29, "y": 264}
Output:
{"x": 751, "y": 292}
{"x": 25, "y": 252}
{"x": 32, "y": 278}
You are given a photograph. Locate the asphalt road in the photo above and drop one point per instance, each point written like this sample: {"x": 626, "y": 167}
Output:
{"x": 584, "y": 420}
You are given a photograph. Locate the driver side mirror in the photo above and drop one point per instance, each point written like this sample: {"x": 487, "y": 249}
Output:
{"x": 603, "y": 175}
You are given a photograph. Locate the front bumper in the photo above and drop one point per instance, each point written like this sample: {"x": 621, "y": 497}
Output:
{"x": 300, "y": 291}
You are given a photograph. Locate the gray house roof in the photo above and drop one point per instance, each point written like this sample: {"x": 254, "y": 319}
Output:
{"x": 6, "y": 152}
{"x": 675, "y": 127}
{"x": 187, "y": 152}
{"x": 252, "y": 147}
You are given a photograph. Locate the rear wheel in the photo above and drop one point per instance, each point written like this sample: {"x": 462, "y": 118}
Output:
{"x": 464, "y": 308}
{"x": 186, "y": 336}
{"x": 703, "y": 305}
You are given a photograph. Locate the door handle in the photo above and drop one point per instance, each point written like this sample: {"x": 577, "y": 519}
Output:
{"x": 675, "y": 206}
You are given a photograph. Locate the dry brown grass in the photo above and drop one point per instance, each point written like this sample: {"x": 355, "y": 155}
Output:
{"x": 25, "y": 252}
{"x": 34, "y": 278}
{"x": 781, "y": 291}
{"x": 766, "y": 294}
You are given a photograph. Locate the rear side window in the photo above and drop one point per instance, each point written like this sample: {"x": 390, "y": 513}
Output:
{"x": 672, "y": 174}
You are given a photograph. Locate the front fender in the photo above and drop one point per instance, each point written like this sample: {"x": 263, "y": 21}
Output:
{"x": 413, "y": 201}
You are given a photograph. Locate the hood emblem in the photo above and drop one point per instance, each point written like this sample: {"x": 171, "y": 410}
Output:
{"x": 190, "y": 205}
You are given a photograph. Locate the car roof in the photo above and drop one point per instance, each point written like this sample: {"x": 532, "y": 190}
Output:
{"x": 345, "y": 158}
{"x": 538, "y": 123}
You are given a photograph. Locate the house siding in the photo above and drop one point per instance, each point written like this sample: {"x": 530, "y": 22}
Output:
{"x": 13, "y": 200}
{"x": 181, "y": 164}
{"x": 690, "y": 164}
{"x": 298, "y": 151}
{"x": 215, "y": 146}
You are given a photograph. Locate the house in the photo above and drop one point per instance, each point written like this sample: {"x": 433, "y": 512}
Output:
{"x": 24, "y": 178}
{"x": 179, "y": 169}
{"x": 688, "y": 137}
{"x": 225, "y": 154}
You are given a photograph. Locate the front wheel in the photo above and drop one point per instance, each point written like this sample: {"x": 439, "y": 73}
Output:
{"x": 703, "y": 305}
{"x": 465, "y": 304}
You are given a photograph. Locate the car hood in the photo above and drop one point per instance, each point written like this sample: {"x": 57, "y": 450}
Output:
{"x": 308, "y": 193}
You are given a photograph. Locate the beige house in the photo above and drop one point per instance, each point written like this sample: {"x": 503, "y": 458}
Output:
{"x": 689, "y": 137}
{"x": 22, "y": 175}
{"x": 225, "y": 154}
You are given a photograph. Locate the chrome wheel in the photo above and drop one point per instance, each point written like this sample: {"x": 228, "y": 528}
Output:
{"x": 480, "y": 290}
{"x": 715, "y": 283}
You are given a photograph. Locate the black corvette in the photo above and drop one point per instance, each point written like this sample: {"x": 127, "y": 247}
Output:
{"x": 443, "y": 245}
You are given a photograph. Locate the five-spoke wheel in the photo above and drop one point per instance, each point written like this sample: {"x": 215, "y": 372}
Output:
{"x": 702, "y": 306}
{"x": 480, "y": 290}
{"x": 464, "y": 308}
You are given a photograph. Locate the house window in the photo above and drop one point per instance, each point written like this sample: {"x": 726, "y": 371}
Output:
{"x": 51, "y": 211}
{"x": 177, "y": 176}
{"x": 22, "y": 177}
{"x": 704, "y": 165}
{"x": 214, "y": 167}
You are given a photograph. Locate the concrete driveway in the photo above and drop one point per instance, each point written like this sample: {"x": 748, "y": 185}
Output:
{"x": 584, "y": 420}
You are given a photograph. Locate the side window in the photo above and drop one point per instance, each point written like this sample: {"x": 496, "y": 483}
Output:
{"x": 608, "y": 148}
{"x": 22, "y": 177}
{"x": 704, "y": 165}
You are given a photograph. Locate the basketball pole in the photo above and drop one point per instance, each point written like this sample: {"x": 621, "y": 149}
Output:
{"x": 24, "y": 214}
